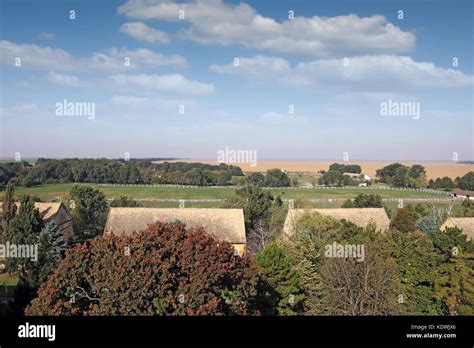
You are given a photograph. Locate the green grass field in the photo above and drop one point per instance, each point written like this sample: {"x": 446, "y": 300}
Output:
{"x": 58, "y": 191}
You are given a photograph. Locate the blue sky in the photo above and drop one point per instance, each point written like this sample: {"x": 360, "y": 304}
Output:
{"x": 335, "y": 63}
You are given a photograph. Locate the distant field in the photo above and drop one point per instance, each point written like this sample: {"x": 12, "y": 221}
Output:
{"x": 55, "y": 191}
{"x": 434, "y": 169}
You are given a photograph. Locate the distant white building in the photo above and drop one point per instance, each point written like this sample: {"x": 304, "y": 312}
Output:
{"x": 362, "y": 177}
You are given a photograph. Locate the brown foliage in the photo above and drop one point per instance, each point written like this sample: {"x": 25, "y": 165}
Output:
{"x": 361, "y": 288}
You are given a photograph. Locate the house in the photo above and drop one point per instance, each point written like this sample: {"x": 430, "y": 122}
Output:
{"x": 358, "y": 216}
{"x": 466, "y": 224}
{"x": 55, "y": 212}
{"x": 361, "y": 177}
{"x": 224, "y": 224}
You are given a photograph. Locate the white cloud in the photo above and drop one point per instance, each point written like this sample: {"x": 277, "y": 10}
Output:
{"x": 143, "y": 32}
{"x": 36, "y": 57}
{"x": 381, "y": 73}
{"x": 279, "y": 118}
{"x": 214, "y": 22}
{"x": 172, "y": 83}
{"x": 47, "y": 58}
{"x": 259, "y": 67}
{"x": 63, "y": 79}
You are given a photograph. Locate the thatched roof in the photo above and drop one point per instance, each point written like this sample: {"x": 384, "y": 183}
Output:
{"x": 358, "y": 216}
{"x": 224, "y": 224}
{"x": 466, "y": 224}
{"x": 47, "y": 210}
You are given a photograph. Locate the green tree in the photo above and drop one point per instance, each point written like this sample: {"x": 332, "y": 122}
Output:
{"x": 387, "y": 173}
{"x": 124, "y": 201}
{"x": 89, "y": 211}
{"x": 455, "y": 285}
{"x": 363, "y": 200}
{"x": 467, "y": 208}
{"x": 257, "y": 179}
{"x": 332, "y": 178}
{"x": 24, "y": 229}
{"x": 343, "y": 168}
{"x": 454, "y": 274}
{"x": 286, "y": 294}
{"x": 51, "y": 249}
{"x": 416, "y": 263}
{"x": 8, "y": 211}
{"x": 400, "y": 179}
{"x": 467, "y": 182}
{"x": 445, "y": 183}
{"x": 416, "y": 176}
{"x": 255, "y": 202}
{"x": 276, "y": 178}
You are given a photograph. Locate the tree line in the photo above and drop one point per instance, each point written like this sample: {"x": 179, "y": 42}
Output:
{"x": 99, "y": 171}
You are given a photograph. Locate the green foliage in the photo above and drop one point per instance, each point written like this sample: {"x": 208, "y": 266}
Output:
{"x": 286, "y": 297}
{"x": 332, "y": 178}
{"x": 398, "y": 175}
{"x": 124, "y": 201}
{"x": 8, "y": 211}
{"x": 305, "y": 248}
{"x": 467, "y": 208}
{"x": 13, "y": 171}
{"x": 25, "y": 229}
{"x": 89, "y": 211}
{"x": 51, "y": 249}
{"x": 276, "y": 178}
{"x": 343, "y": 168}
{"x": 445, "y": 183}
{"x": 416, "y": 260}
{"x": 455, "y": 285}
{"x": 455, "y": 275}
{"x": 363, "y": 200}
{"x": 255, "y": 202}
{"x": 169, "y": 271}
{"x": 387, "y": 173}
{"x": 467, "y": 182}
{"x": 417, "y": 211}
{"x": 116, "y": 171}
{"x": 257, "y": 179}
{"x": 403, "y": 221}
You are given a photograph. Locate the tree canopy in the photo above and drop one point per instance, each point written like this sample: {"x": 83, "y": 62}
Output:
{"x": 164, "y": 270}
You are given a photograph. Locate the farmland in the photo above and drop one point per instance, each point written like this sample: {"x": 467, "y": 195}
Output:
{"x": 433, "y": 169}
{"x": 142, "y": 192}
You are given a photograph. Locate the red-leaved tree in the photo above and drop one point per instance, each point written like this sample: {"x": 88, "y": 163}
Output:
{"x": 164, "y": 270}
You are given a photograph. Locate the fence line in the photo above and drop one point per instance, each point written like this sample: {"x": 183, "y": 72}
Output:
{"x": 285, "y": 187}
{"x": 325, "y": 200}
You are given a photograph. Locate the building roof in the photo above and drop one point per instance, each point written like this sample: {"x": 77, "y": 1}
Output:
{"x": 224, "y": 224}
{"x": 466, "y": 224}
{"x": 47, "y": 210}
{"x": 358, "y": 216}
